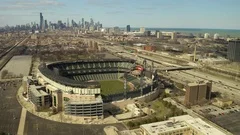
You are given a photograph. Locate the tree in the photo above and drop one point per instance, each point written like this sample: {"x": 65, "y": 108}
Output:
{"x": 154, "y": 119}
{"x": 130, "y": 124}
{"x": 160, "y": 118}
{"x": 4, "y": 73}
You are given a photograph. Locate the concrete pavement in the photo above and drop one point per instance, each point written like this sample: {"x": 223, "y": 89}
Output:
{"x": 22, "y": 122}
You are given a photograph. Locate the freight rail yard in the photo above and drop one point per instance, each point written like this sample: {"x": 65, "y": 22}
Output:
{"x": 99, "y": 83}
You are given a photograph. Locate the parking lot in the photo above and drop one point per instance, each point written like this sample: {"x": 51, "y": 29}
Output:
{"x": 38, "y": 126}
{"x": 214, "y": 111}
{"x": 228, "y": 118}
{"x": 10, "y": 110}
{"x": 231, "y": 122}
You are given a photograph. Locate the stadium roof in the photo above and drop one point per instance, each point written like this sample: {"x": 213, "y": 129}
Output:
{"x": 46, "y": 71}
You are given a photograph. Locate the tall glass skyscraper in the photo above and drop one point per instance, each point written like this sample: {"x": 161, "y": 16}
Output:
{"x": 83, "y": 22}
{"x": 128, "y": 28}
{"x": 41, "y": 21}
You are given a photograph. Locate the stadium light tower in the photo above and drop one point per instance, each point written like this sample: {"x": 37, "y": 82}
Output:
{"x": 152, "y": 67}
{"x": 144, "y": 63}
{"x": 141, "y": 83}
{"x": 118, "y": 72}
{"x": 125, "y": 85}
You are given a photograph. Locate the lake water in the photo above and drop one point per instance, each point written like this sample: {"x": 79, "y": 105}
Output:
{"x": 221, "y": 32}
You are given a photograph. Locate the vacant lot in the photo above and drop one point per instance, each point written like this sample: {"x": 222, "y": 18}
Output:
{"x": 18, "y": 66}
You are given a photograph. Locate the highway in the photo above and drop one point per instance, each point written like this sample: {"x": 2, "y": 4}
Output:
{"x": 8, "y": 54}
{"x": 225, "y": 86}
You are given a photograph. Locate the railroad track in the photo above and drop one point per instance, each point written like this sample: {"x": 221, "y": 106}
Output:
{"x": 7, "y": 55}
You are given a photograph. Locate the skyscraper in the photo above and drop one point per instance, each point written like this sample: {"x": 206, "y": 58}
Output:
{"x": 128, "y": 28}
{"x": 91, "y": 22}
{"x": 46, "y": 25}
{"x": 41, "y": 21}
{"x": 142, "y": 29}
{"x": 67, "y": 22}
{"x": 233, "y": 52}
{"x": 83, "y": 22}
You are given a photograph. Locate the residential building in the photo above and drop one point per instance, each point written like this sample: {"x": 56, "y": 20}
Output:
{"x": 233, "y": 52}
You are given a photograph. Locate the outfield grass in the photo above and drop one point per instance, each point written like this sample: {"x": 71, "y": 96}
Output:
{"x": 112, "y": 87}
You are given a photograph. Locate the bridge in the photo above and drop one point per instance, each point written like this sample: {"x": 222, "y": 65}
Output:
{"x": 176, "y": 68}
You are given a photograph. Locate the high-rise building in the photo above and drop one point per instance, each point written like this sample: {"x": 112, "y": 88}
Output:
{"x": 142, "y": 29}
{"x": 91, "y": 22}
{"x": 191, "y": 95}
{"x": 79, "y": 24}
{"x": 41, "y": 21}
{"x": 74, "y": 24}
{"x": 128, "y": 28}
{"x": 67, "y": 22}
{"x": 83, "y": 23}
{"x": 233, "y": 52}
{"x": 147, "y": 33}
{"x": 206, "y": 35}
{"x": 216, "y": 36}
{"x": 174, "y": 35}
{"x": 202, "y": 91}
{"x": 159, "y": 35}
{"x": 46, "y": 25}
{"x": 197, "y": 92}
{"x": 209, "y": 90}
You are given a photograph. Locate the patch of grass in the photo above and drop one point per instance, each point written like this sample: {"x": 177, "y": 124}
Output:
{"x": 112, "y": 87}
{"x": 160, "y": 108}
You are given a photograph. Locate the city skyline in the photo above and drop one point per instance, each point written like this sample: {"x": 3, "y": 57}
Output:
{"x": 157, "y": 13}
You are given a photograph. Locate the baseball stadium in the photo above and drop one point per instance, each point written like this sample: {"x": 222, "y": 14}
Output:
{"x": 80, "y": 88}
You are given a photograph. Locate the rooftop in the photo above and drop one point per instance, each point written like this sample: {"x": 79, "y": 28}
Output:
{"x": 84, "y": 99}
{"x": 38, "y": 90}
{"x": 181, "y": 122}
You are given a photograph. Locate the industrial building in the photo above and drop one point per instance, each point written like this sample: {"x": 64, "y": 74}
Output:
{"x": 149, "y": 48}
{"x": 197, "y": 92}
{"x": 233, "y": 52}
{"x": 180, "y": 125}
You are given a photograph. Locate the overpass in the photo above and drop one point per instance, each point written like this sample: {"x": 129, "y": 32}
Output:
{"x": 176, "y": 68}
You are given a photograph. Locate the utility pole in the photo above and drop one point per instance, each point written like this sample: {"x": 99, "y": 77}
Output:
{"x": 195, "y": 49}
{"x": 125, "y": 85}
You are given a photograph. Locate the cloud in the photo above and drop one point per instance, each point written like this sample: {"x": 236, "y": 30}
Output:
{"x": 29, "y": 4}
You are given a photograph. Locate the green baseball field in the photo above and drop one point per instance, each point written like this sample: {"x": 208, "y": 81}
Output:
{"x": 112, "y": 87}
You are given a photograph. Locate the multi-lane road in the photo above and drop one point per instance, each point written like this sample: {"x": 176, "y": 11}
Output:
{"x": 227, "y": 87}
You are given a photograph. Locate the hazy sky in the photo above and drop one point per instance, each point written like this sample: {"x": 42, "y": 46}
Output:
{"x": 147, "y": 13}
